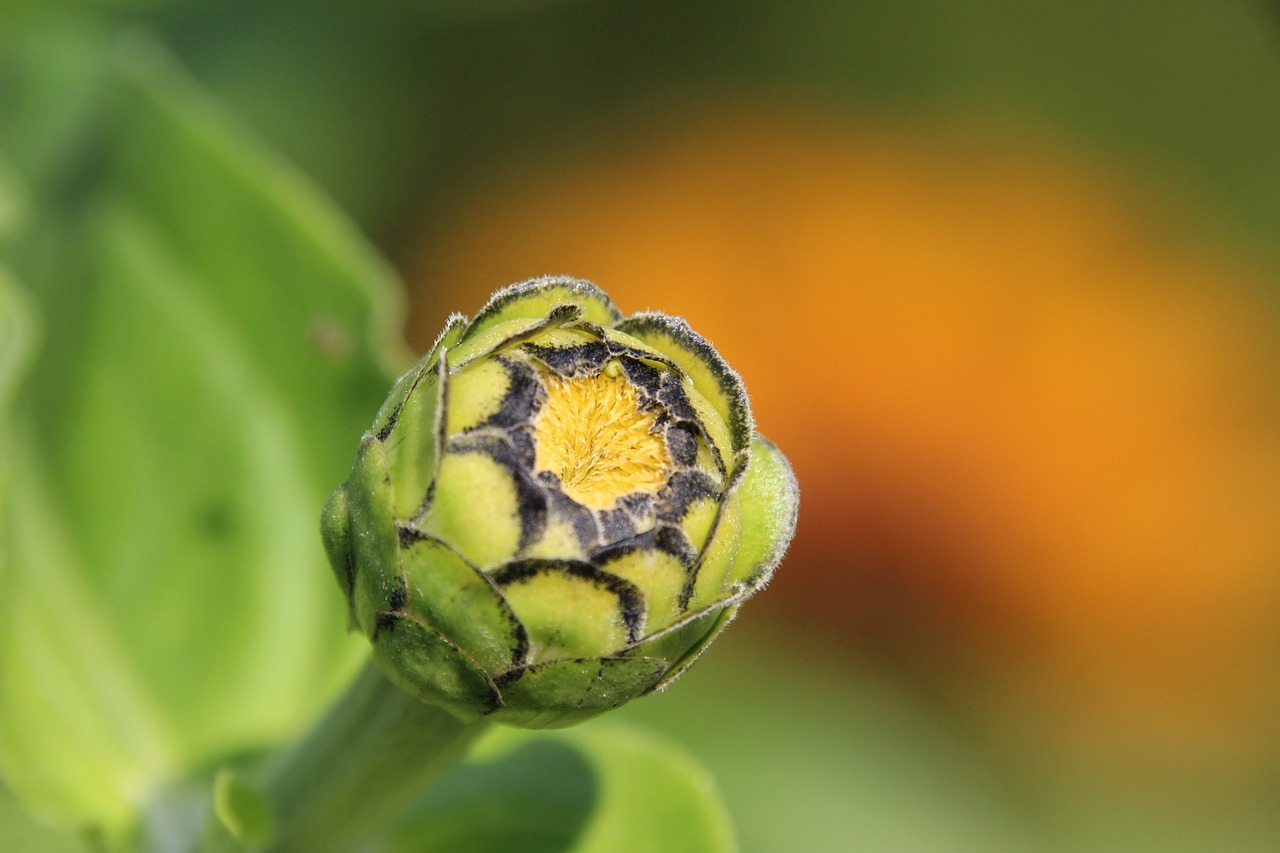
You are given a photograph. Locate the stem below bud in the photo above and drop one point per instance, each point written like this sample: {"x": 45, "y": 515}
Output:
{"x": 374, "y": 751}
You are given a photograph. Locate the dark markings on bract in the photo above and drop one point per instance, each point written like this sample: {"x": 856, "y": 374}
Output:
{"x": 582, "y": 519}
{"x": 644, "y": 376}
{"x": 677, "y": 331}
{"x": 530, "y": 497}
{"x": 638, "y": 505}
{"x": 669, "y": 540}
{"x": 593, "y": 329}
{"x": 524, "y": 397}
{"x": 385, "y": 432}
{"x": 399, "y": 594}
{"x": 351, "y": 582}
{"x": 519, "y": 654}
{"x": 671, "y": 394}
{"x": 579, "y": 360}
{"x": 618, "y": 348}
{"x": 389, "y": 622}
{"x": 615, "y": 525}
{"x": 383, "y": 622}
{"x": 673, "y": 541}
{"x": 664, "y": 391}
{"x": 682, "y": 491}
{"x": 502, "y": 679}
{"x": 408, "y": 535}
{"x": 682, "y": 443}
{"x": 731, "y": 485}
{"x": 559, "y": 315}
{"x": 508, "y": 678}
{"x": 523, "y": 445}
{"x": 630, "y": 599}
{"x": 440, "y": 426}
{"x": 394, "y": 417}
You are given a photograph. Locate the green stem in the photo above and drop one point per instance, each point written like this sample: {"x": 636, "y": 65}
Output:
{"x": 375, "y": 750}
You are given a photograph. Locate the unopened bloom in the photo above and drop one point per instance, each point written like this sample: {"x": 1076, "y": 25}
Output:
{"x": 556, "y": 509}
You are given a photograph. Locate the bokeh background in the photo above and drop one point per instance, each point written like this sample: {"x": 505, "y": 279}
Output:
{"x": 1002, "y": 280}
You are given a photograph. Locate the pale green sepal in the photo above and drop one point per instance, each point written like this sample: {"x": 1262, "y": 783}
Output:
{"x": 390, "y": 410}
{"x": 710, "y": 580}
{"x": 413, "y": 443}
{"x": 500, "y": 336}
{"x": 657, "y": 573}
{"x": 691, "y": 656}
{"x": 454, "y": 328}
{"x": 571, "y": 610}
{"x": 536, "y": 298}
{"x": 564, "y": 692}
{"x": 241, "y": 810}
{"x": 717, "y": 431}
{"x": 420, "y": 661}
{"x": 376, "y": 549}
{"x": 674, "y": 641}
{"x": 475, "y": 508}
{"x": 770, "y": 500}
{"x": 638, "y": 348}
{"x": 710, "y": 373}
{"x": 335, "y": 530}
{"x": 476, "y": 393}
{"x": 699, "y": 521}
{"x": 462, "y": 604}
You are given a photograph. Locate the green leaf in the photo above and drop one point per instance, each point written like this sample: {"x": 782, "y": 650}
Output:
{"x": 17, "y": 339}
{"x": 12, "y": 203}
{"x": 241, "y": 810}
{"x": 19, "y": 831}
{"x": 596, "y": 789}
{"x": 815, "y": 750}
{"x": 216, "y": 346}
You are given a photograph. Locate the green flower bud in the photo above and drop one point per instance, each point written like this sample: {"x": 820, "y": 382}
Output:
{"x": 556, "y": 509}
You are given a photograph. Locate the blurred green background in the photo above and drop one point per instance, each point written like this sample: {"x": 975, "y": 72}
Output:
{"x": 1001, "y": 277}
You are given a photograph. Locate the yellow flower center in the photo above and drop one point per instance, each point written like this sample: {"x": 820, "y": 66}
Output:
{"x": 591, "y": 434}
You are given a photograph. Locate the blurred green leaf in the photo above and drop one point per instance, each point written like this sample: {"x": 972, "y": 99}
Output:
{"x": 217, "y": 342}
{"x": 596, "y": 789}
{"x": 17, "y": 338}
{"x": 12, "y": 204}
{"x": 20, "y": 832}
{"x": 241, "y": 810}
{"x": 815, "y": 751}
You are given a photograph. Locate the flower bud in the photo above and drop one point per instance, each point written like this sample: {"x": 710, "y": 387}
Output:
{"x": 556, "y": 509}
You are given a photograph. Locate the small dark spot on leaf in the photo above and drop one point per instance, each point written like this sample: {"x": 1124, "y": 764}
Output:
{"x": 216, "y": 520}
{"x": 330, "y": 338}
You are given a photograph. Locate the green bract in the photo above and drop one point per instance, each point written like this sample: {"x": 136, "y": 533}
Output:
{"x": 556, "y": 509}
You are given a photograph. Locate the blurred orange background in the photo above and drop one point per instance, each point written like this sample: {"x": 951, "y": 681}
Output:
{"x": 1034, "y": 409}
